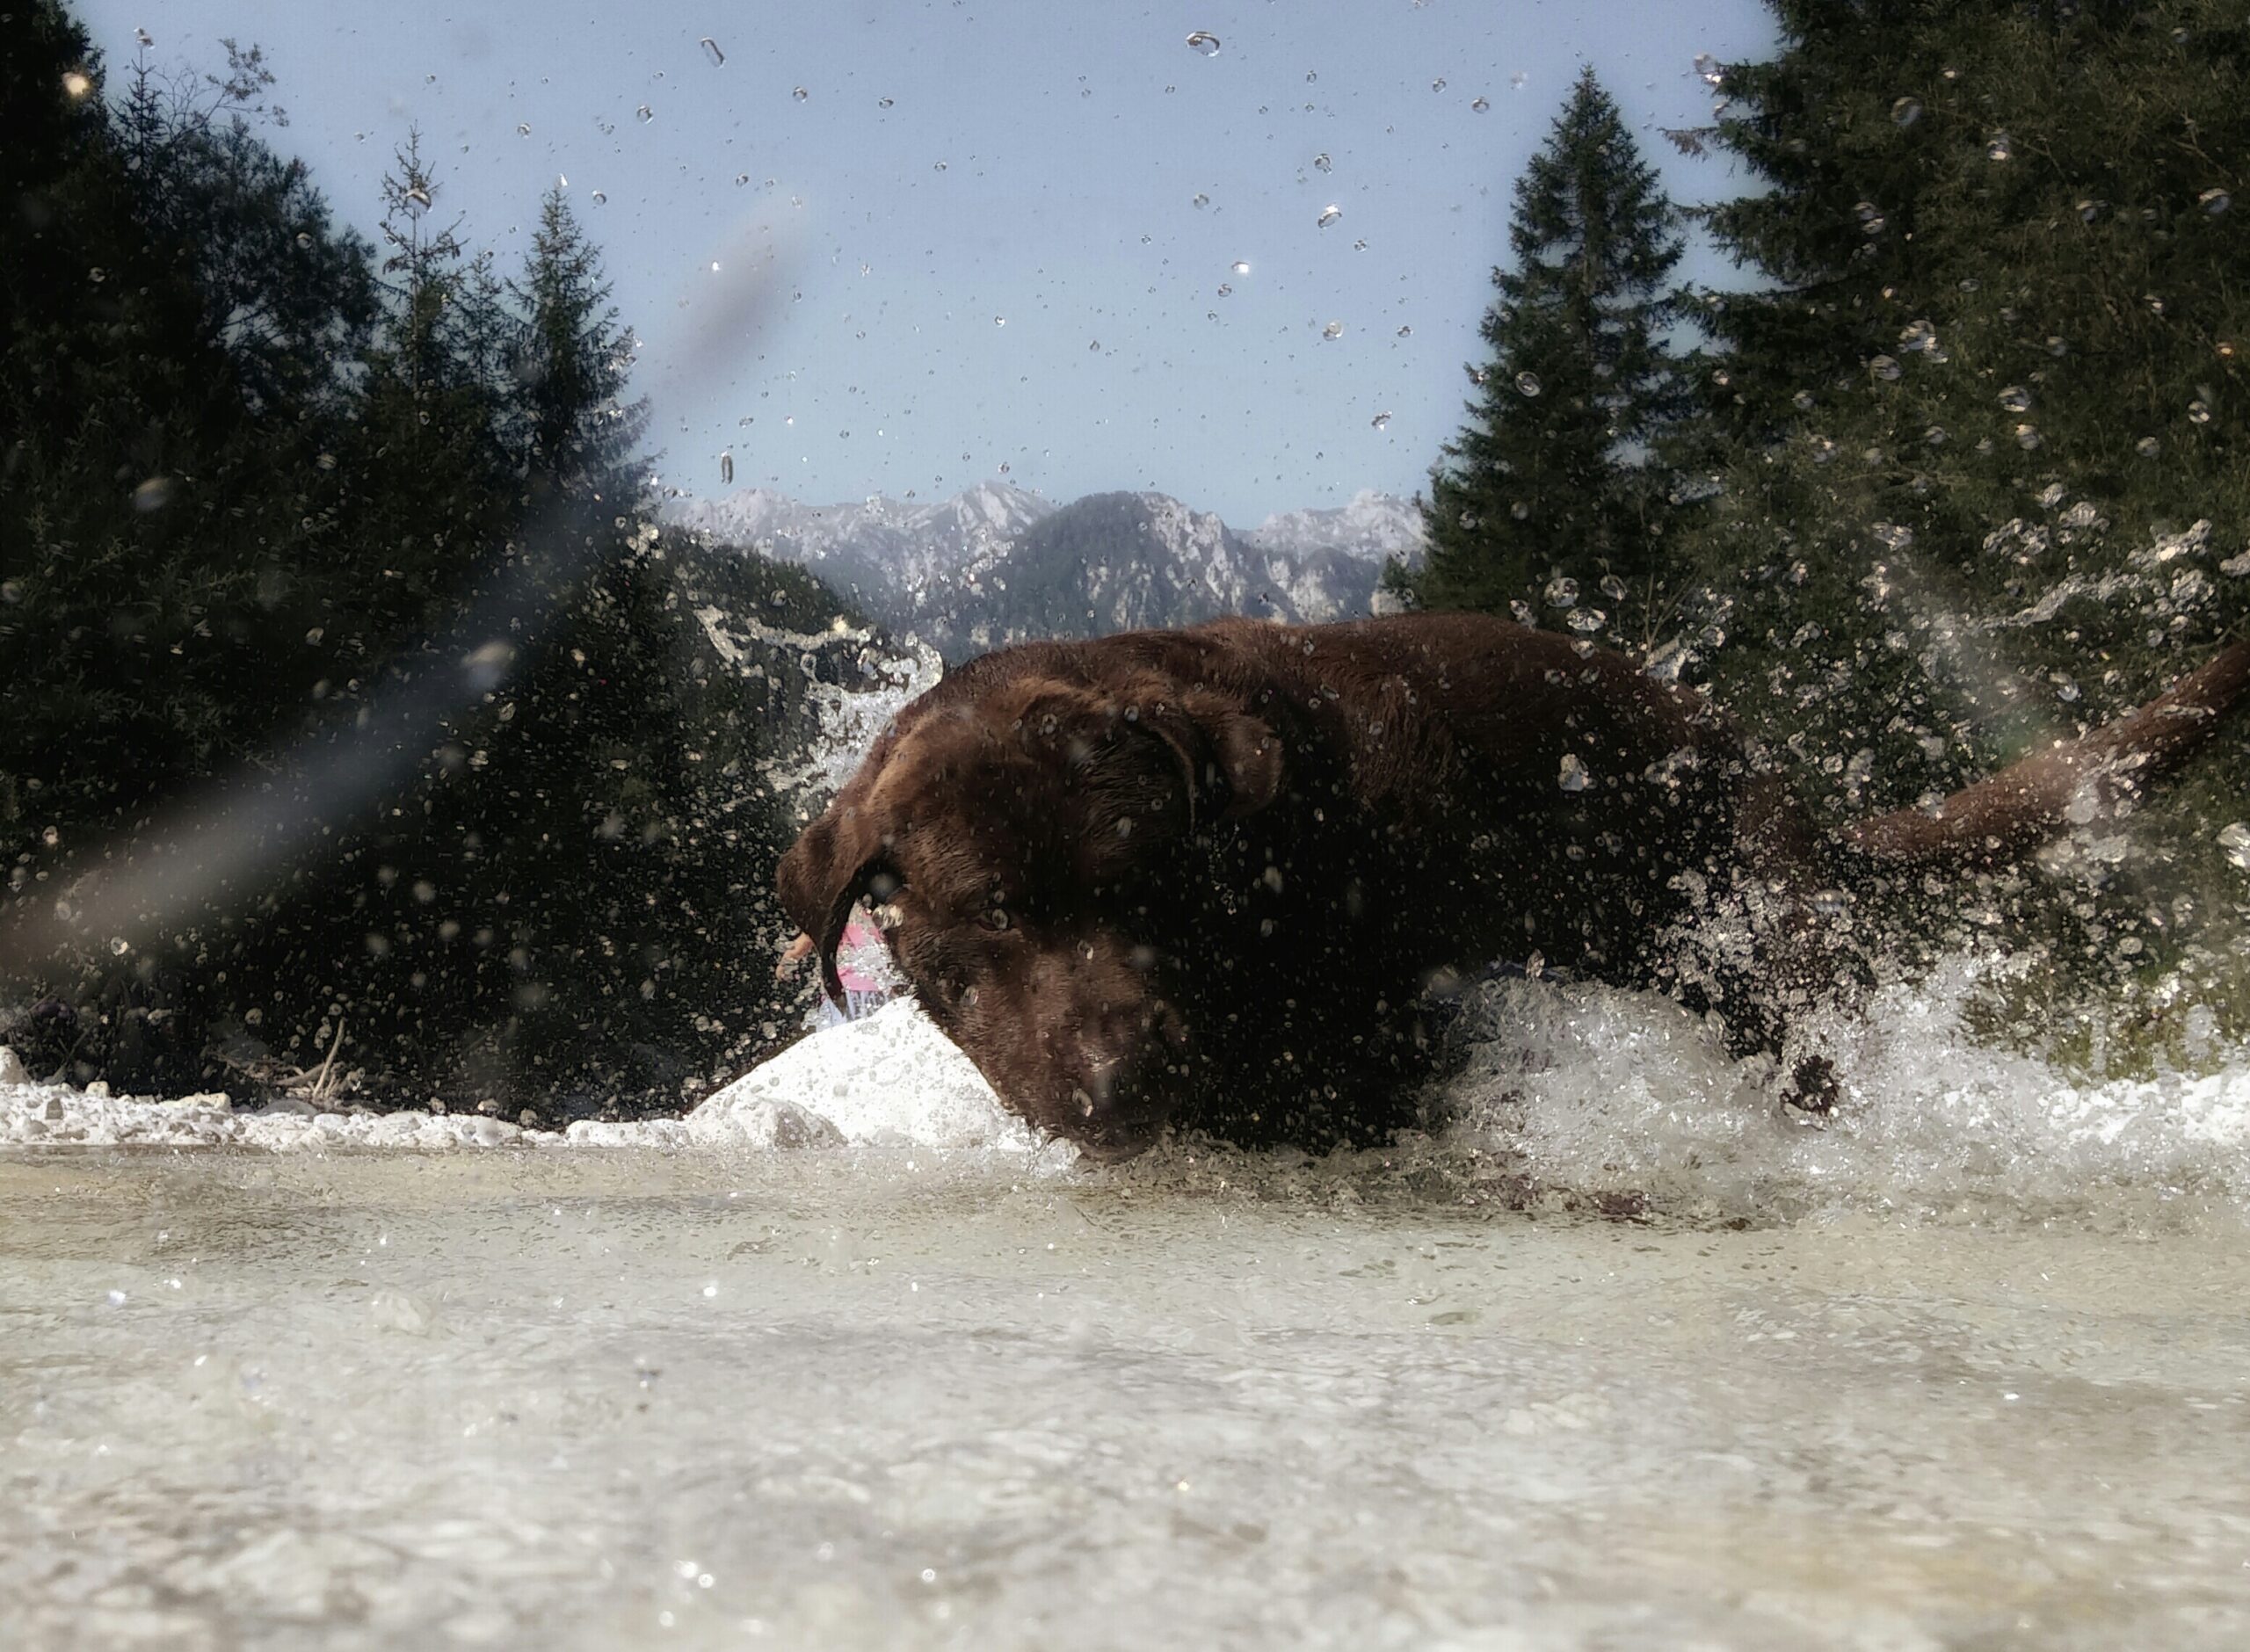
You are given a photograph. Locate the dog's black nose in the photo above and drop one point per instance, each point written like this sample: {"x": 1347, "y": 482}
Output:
{"x": 1124, "y": 1108}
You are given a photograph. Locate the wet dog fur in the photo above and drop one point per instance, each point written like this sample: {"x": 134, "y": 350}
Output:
{"x": 1202, "y": 878}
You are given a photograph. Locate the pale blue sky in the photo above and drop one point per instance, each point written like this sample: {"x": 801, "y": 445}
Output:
{"x": 856, "y": 311}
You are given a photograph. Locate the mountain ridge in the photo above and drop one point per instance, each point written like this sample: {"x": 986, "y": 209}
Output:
{"x": 996, "y": 563}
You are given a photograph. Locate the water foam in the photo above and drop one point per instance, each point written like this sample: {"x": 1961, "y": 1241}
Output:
{"x": 888, "y": 1080}
{"x": 1568, "y": 1089}
{"x": 1598, "y": 1090}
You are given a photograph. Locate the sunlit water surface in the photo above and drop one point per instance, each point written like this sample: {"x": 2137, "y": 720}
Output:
{"x": 873, "y": 1396}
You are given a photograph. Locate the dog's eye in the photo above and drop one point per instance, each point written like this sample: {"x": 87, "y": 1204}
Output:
{"x": 993, "y": 917}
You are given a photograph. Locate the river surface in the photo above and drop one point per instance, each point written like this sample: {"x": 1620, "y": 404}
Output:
{"x": 873, "y": 1396}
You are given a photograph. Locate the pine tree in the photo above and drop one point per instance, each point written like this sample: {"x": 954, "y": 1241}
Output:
{"x": 1984, "y": 475}
{"x": 1547, "y": 502}
{"x": 1997, "y": 366}
{"x": 572, "y": 360}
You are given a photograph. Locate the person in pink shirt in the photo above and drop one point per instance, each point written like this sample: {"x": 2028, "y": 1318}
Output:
{"x": 863, "y": 965}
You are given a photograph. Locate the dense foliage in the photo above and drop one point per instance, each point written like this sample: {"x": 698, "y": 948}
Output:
{"x": 1979, "y": 431}
{"x": 365, "y": 526}
{"x": 1982, "y": 445}
{"x": 1963, "y": 471}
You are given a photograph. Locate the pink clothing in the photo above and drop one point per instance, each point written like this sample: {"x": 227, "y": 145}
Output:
{"x": 851, "y": 960}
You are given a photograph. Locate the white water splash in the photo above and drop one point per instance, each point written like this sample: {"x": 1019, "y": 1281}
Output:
{"x": 1575, "y": 1090}
{"x": 1596, "y": 1091}
{"x": 890, "y": 1079}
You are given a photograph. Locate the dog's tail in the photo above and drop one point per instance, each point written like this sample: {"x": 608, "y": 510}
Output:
{"x": 1998, "y": 819}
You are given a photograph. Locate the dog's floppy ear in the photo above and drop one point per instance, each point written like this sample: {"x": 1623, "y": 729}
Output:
{"x": 824, "y": 873}
{"x": 1226, "y": 756}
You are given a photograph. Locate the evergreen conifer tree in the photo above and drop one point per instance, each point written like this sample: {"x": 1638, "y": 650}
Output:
{"x": 572, "y": 360}
{"x": 1997, "y": 368}
{"x": 1985, "y": 478}
{"x": 1547, "y": 502}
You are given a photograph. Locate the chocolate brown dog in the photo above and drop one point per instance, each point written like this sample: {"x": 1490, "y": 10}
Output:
{"x": 1200, "y": 877}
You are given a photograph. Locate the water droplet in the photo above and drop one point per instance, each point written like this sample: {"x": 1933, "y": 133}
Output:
{"x": 2057, "y": 345}
{"x": 1334, "y": 329}
{"x": 1562, "y": 592}
{"x": 2016, "y": 399}
{"x": 600, "y": 199}
{"x": 1380, "y": 421}
{"x": 1329, "y": 215}
{"x": 1613, "y": 588}
{"x": 726, "y": 469}
{"x": 644, "y": 115}
{"x": 1906, "y": 110}
{"x": 2148, "y": 447}
{"x": 1520, "y": 511}
{"x": 1200, "y": 200}
{"x": 2235, "y": 840}
{"x": 741, "y": 178}
{"x": 884, "y": 103}
{"x": 2214, "y": 201}
{"x": 938, "y": 167}
{"x": 1095, "y": 346}
{"x": 1998, "y": 147}
{"x": 2027, "y": 437}
{"x": 1585, "y": 621}
{"x": 1406, "y": 332}
{"x": 153, "y": 495}
{"x": 711, "y": 50}
{"x": 523, "y": 128}
{"x": 1885, "y": 367}
{"x": 999, "y": 320}
{"x": 1437, "y": 84}
{"x": 1241, "y": 266}
{"x": 1527, "y": 382}
{"x": 1573, "y": 777}
{"x": 1481, "y": 105}
{"x": 799, "y": 94}
{"x": 1204, "y": 41}
{"x": 2199, "y": 412}
{"x": 1322, "y": 163}
{"x": 78, "y": 82}
{"x": 1225, "y": 290}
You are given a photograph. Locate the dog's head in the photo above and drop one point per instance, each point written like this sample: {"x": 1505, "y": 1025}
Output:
{"x": 1023, "y": 849}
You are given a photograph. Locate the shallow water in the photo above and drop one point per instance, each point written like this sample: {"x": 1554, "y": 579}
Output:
{"x": 869, "y": 1396}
